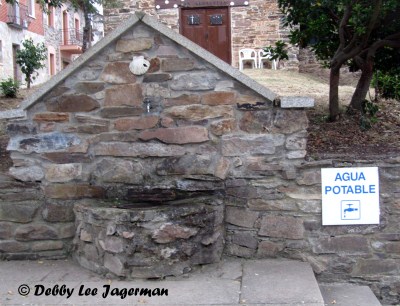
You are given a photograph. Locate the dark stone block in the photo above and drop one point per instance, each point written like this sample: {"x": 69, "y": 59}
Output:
{"x": 72, "y": 104}
{"x": 154, "y": 65}
{"x": 11, "y": 246}
{"x": 341, "y": 245}
{"x": 50, "y": 255}
{"x": 157, "y": 77}
{"x": 66, "y": 158}
{"x": 6, "y": 230}
{"x": 177, "y": 64}
{"x": 239, "y": 251}
{"x": 16, "y": 128}
{"x": 364, "y": 267}
{"x": 73, "y": 191}
{"x": 122, "y": 111}
{"x": 241, "y": 217}
{"x": 245, "y": 239}
{"x": 89, "y": 87}
{"x": 58, "y": 211}
{"x": 282, "y": 227}
{"x": 35, "y": 232}
{"x": 21, "y": 212}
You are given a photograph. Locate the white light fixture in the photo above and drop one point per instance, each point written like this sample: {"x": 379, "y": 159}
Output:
{"x": 166, "y": 1}
{"x": 246, "y": 3}
{"x": 157, "y": 7}
{"x": 232, "y": 3}
{"x": 175, "y": 5}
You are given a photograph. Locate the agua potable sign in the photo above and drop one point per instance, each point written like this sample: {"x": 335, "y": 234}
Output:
{"x": 350, "y": 196}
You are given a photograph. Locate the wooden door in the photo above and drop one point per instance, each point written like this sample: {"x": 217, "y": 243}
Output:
{"x": 209, "y": 28}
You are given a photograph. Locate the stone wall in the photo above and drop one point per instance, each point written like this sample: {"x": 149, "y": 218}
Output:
{"x": 275, "y": 211}
{"x": 31, "y": 226}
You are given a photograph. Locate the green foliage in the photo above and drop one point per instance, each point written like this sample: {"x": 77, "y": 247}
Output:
{"x": 31, "y": 58}
{"x": 317, "y": 23}
{"x": 386, "y": 79}
{"x": 9, "y": 87}
{"x": 343, "y": 32}
{"x": 387, "y": 83}
{"x": 278, "y": 52}
{"x": 368, "y": 115}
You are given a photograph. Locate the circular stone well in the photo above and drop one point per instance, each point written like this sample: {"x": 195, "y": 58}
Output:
{"x": 148, "y": 240}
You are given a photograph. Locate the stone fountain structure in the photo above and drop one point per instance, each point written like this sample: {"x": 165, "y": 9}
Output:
{"x": 147, "y": 147}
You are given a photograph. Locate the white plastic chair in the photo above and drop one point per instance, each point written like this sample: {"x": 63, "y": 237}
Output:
{"x": 247, "y": 55}
{"x": 264, "y": 56}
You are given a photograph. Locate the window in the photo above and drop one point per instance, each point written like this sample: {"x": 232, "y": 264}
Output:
{"x": 50, "y": 17}
{"x": 31, "y": 8}
{"x": 77, "y": 36}
{"x": 52, "y": 64}
{"x": 65, "y": 27}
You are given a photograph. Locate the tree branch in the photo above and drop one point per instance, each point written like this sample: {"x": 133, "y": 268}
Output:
{"x": 342, "y": 26}
{"x": 392, "y": 40}
{"x": 373, "y": 20}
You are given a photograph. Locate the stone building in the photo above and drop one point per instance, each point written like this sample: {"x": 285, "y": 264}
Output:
{"x": 222, "y": 27}
{"x": 60, "y": 30}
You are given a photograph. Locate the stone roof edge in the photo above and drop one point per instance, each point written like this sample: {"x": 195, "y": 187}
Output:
{"x": 85, "y": 57}
{"x": 153, "y": 23}
{"x": 209, "y": 57}
{"x": 13, "y": 114}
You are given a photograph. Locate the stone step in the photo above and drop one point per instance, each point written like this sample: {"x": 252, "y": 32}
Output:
{"x": 279, "y": 282}
{"x": 348, "y": 295}
{"x": 272, "y": 282}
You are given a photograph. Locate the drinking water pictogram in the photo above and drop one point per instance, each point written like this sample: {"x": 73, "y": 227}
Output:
{"x": 351, "y": 210}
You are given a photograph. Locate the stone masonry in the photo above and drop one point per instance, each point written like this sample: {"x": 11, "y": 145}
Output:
{"x": 87, "y": 134}
{"x": 149, "y": 241}
{"x": 255, "y": 26}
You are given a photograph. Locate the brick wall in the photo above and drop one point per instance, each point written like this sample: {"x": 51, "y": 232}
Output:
{"x": 255, "y": 26}
{"x": 37, "y": 24}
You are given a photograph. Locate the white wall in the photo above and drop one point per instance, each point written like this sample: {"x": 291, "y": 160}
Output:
{"x": 10, "y": 36}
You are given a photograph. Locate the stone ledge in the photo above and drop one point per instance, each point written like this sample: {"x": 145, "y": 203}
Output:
{"x": 13, "y": 114}
{"x": 297, "y": 102}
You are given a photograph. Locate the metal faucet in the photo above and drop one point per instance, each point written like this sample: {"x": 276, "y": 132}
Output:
{"x": 147, "y": 102}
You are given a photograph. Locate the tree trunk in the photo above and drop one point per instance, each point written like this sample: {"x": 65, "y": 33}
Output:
{"x": 362, "y": 85}
{"x": 86, "y": 29}
{"x": 334, "y": 93}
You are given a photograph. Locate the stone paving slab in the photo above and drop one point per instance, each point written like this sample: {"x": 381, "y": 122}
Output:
{"x": 347, "y": 294}
{"x": 228, "y": 283}
{"x": 276, "y": 282}
{"x": 217, "y": 284}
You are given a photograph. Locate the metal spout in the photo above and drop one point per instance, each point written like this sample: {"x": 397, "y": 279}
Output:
{"x": 147, "y": 103}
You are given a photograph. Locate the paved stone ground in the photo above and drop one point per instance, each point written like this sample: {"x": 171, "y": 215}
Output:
{"x": 231, "y": 282}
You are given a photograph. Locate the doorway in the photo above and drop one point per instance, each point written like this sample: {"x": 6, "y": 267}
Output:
{"x": 65, "y": 27}
{"x": 210, "y": 28}
{"x": 16, "y": 71}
